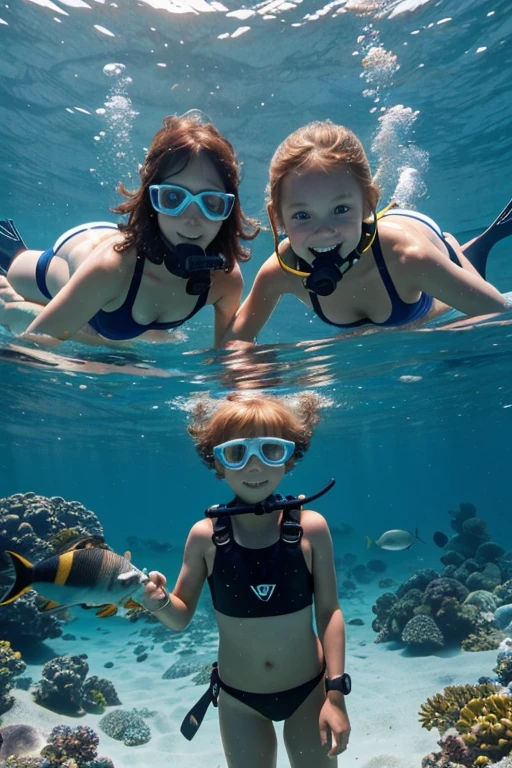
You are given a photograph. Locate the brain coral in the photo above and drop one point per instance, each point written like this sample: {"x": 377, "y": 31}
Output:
{"x": 127, "y": 727}
{"x": 422, "y": 631}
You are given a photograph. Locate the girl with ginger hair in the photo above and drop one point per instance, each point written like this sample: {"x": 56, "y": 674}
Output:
{"x": 265, "y": 559}
{"x": 179, "y": 251}
{"x": 352, "y": 266}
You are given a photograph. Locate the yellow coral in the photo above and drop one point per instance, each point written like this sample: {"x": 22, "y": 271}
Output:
{"x": 485, "y": 723}
{"x": 443, "y": 710}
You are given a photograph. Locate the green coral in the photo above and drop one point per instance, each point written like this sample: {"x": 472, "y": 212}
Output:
{"x": 11, "y": 665}
{"x": 481, "y": 641}
{"x": 442, "y": 711}
{"x": 63, "y": 537}
{"x": 486, "y": 724}
{"x": 99, "y": 700}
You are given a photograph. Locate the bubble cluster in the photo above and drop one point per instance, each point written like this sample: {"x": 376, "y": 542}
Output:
{"x": 117, "y": 159}
{"x": 400, "y": 162}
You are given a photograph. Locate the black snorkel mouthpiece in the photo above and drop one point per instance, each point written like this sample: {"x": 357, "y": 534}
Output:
{"x": 327, "y": 270}
{"x": 268, "y": 505}
{"x": 191, "y": 262}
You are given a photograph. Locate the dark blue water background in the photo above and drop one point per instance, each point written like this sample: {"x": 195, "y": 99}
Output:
{"x": 414, "y": 423}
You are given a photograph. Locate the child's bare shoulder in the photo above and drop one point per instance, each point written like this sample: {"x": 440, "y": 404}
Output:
{"x": 200, "y": 535}
{"x": 313, "y": 523}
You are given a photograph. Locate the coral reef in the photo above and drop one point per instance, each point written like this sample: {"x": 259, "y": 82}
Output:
{"x": 127, "y": 727}
{"x": 19, "y": 739}
{"x": 98, "y": 693}
{"x": 60, "y": 688}
{"x": 442, "y": 711}
{"x": 66, "y": 748}
{"x": 422, "y": 631}
{"x": 486, "y": 724}
{"x": 503, "y": 666}
{"x": 78, "y": 743}
{"x": 467, "y": 603}
{"x": 11, "y": 665}
{"x": 33, "y": 526}
{"x": 63, "y": 687}
{"x": 30, "y": 523}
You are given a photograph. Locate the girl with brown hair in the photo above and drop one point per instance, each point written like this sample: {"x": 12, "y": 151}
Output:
{"x": 179, "y": 250}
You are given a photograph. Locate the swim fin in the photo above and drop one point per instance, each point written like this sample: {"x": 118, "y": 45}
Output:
{"x": 478, "y": 251}
{"x": 11, "y": 243}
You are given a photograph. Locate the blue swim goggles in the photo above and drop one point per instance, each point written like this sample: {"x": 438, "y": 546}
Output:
{"x": 173, "y": 200}
{"x": 272, "y": 451}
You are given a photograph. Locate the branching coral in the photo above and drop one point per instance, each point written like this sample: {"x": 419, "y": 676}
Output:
{"x": 11, "y": 665}
{"x": 442, "y": 711}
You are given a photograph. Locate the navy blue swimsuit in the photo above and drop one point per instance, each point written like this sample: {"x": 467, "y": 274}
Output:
{"x": 402, "y": 312}
{"x": 118, "y": 325}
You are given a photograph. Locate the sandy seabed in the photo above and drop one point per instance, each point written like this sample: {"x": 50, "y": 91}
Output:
{"x": 389, "y": 687}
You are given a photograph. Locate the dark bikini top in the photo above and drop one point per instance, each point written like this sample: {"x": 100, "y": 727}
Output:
{"x": 401, "y": 311}
{"x": 119, "y": 325}
{"x": 270, "y": 581}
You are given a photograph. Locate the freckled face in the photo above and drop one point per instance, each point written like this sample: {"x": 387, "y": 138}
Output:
{"x": 199, "y": 175}
{"x": 321, "y": 210}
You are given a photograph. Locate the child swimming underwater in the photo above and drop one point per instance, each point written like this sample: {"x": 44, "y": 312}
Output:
{"x": 351, "y": 266}
{"x": 179, "y": 251}
{"x": 264, "y": 566}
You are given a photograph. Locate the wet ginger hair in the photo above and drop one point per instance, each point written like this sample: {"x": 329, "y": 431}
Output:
{"x": 241, "y": 415}
{"x": 324, "y": 146}
{"x": 171, "y": 149}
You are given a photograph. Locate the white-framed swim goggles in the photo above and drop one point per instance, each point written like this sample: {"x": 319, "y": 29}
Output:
{"x": 173, "y": 200}
{"x": 272, "y": 451}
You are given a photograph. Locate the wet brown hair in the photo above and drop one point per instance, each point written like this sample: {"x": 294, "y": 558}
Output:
{"x": 241, "y": 415}
{"x": 321, "y": 145}
{"x": 172, "y": 147}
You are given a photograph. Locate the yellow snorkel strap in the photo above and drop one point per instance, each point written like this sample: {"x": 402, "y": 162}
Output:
{"x": 366, "y": 242}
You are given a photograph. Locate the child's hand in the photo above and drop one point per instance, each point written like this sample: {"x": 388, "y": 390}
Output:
{"x": 153, "y": 589}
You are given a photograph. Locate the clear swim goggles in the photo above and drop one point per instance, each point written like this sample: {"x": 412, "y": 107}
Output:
{"x": 173, "y": 200}
{"x": 272, "y": 451}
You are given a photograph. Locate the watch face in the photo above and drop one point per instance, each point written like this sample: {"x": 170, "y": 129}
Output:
{"x": 342, "y": 683}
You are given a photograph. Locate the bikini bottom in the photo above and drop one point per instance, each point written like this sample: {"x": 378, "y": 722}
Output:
{"x": 279, "y": 705}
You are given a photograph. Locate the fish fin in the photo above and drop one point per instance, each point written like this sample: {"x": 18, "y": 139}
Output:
{"x": 24, "y": 574}
{"x": 107, "y": 610}
{"x": 132, "y": 605}
{"x": 87, "y": 607}
{"x": 369, "y": 542}
{"x": 417, "y": 536}
{"x": 50, "y": 605}
{"x": 127, "y": 555}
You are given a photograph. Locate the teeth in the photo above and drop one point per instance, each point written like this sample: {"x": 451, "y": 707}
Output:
{"x": 325, "y": 249}
{"x": 256, "y": 485}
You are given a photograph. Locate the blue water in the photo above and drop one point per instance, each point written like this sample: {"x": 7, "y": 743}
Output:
{"x": 413, "y": 422}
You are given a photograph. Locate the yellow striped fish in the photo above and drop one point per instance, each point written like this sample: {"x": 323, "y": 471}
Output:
{"x": 91, "y": 578}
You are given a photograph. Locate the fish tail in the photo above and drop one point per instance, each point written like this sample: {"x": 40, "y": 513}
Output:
{"x": 369, "y": 542}
{"x": 24, "y": 576}
{"x": 417, "y": 536}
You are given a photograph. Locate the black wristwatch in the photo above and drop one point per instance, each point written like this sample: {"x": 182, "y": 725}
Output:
{"x": 341, "y": 683}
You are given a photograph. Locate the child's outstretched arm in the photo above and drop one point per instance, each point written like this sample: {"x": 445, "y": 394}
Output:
{"x": 269, "y": 285}
{"x": 177, "y": 608}
{"x": 330, "y": 623}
